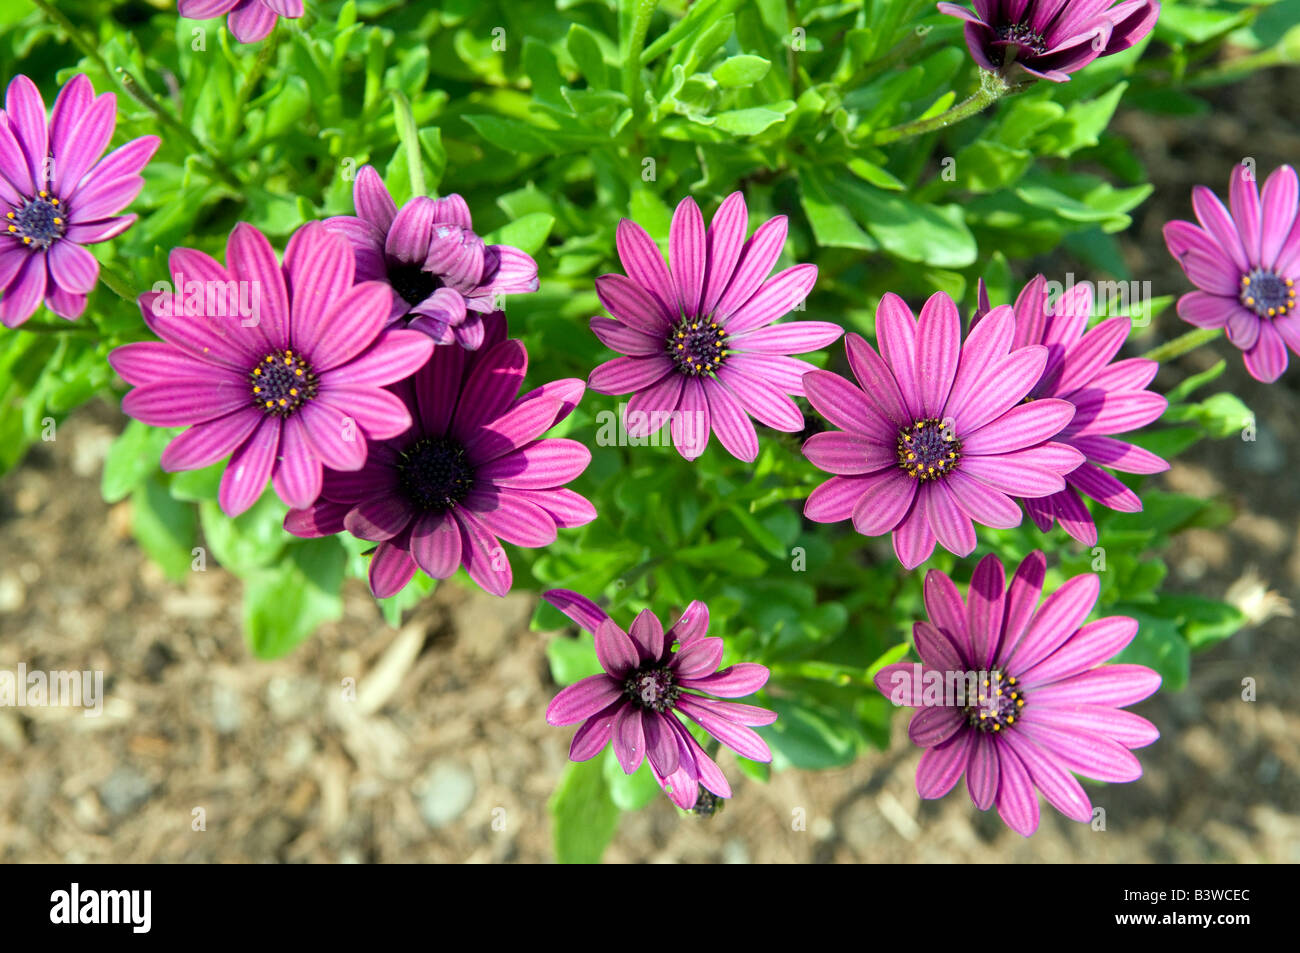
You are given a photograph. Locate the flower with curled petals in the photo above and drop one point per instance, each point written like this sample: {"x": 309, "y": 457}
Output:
{"x": 701, "y": 354}
{"x": 293, "y": 386}
{"x": 652, "y": 677}
{"x": 1246, "y": 264}
{"x": 248, "y": 20}
{"x": 1050, "y": 39}
{"x": 58, "y": 195}
{"x": 1015, "y": 696}
{"x": 935, "y": 435}
{"x": 1109, "y": 397}
{"x": 442, "y": 276}
{"x": 472, "y": 470}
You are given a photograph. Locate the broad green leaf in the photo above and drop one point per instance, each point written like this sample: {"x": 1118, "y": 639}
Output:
{"x": 744, "y": 70}
{"x": 165, "y": 528}
{"x": 584, "y": 816}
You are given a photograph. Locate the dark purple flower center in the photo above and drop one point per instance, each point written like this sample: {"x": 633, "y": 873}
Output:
{"x": 38, "y": 222}
{"x": 1267, "y": 294}
{"x": 412, "y": 282}
{"x": 1022, "y": 35}
{"x": 697, "y": 346}
{"x": 997, "y": 705}
{"x": 927, "y": 450}
{"x": 281, "y": 383}
{"x": 434, "y": 474}
{"x": 652, "y": 688}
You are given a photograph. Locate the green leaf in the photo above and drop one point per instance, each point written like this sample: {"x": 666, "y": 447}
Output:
{"x": 934, "y": 234}
{"x": 528, "y": 233}
{"x": 808, "y": 738}
{"x": 878, "y": 176}
{"x": 630, "y": 792}
{"x": 1157, "y": 645}
{"x": 1222, "y": 415}
{"x": 573, "y": 659}
{"x": 285, "y": 603}
{"x": 986, "y": 165}
{"x": 584, "y": 816}
{"x": 165, "y": 528}
{"x": 132, "y": 457}
{"x": 748, "y": 122}
{"x": 832, "y": 225}
{"x": 744, "y": 70}
{"x": 584, "y": 48}
{"x": 250, "y": 541}
{"x": 195, "y": 486}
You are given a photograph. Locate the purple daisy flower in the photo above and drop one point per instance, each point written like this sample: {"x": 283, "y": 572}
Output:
{"x": 1108, "y": 398}
{"x": 287, "y": 385}
{"x": 700, "y": 352}
{"x": 650, "y": 677}
{"x": 442, "y": 277}
{"x": 469, "y": 472}
{"x": 1049, "y": 39}
{"x": 249, "y": 20}
{"x": 1016, "y": 697}
{"x": 60, "y": 195}
{"x": 936, "y": 433}
{"x": 1246, "y": 265}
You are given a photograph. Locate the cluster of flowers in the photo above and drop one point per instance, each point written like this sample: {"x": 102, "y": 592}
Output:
{"x": 375, "y": 387}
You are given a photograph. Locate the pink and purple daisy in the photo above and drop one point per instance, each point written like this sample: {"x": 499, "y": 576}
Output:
{"x": 701, "y": 352}
{"x": 1109, "y": 397}
{"x": 291, "y": 384}
{"x": 60, "y": 195}
{"x": 936, "y": 434}
{"x": 1246, "y": 265}
{"x": 651, "y": 678}
{"x": 471, "y": 471}
{"x": 442, "y": 276}
{"x": 1050, "y": 39}
{"x": 1015, "y": 696}
{"x": 248, "y": 20}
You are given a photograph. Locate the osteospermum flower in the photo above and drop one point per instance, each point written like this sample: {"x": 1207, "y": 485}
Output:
{"x": 468, "y": 473}
{"x": 701, "y": 355}
{"x": 652, "y": 677}
{"x": 57, "y": 195}
{"x": 1049, "y": 39}
{"x": 935, "y": 435}
{"x": 1109, "y": 397}
{"x": 1016, "y": 697}
{"x": 443, "y": 278}
{"x": 1246, "y": 264}
{"x": 282, "y": 367}
{"x": 248, "y": 20}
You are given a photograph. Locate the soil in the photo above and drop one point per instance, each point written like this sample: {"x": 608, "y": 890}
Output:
{"x": 204, "y": 754}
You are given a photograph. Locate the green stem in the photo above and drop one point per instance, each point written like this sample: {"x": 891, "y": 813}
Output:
{"x": 76, "y": 36}
{"x": 214, "y": 164}
{"x": 133, "y": 88}
{"x": 56, "y": 328}
{"x": 992, "y": 88}
{"x": 410, "y": 141}
{"x": 645, "y": 9}
{"x": 1182, "y": 344}
{"x": 264, "y": 56}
